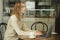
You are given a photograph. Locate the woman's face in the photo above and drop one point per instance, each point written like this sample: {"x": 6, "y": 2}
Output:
{"x": 22, "y": 9}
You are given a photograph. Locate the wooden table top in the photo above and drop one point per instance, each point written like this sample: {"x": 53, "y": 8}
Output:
{"x": 51, "y": 37}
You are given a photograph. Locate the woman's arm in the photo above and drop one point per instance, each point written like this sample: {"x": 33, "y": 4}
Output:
{"x": 14, "y": 24}
{"x": 25, "y": 28}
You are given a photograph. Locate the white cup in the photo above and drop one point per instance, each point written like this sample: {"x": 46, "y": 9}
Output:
{"x": 32, "y": 35}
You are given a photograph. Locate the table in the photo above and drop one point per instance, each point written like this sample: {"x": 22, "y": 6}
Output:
{"x": 51, "y": 37}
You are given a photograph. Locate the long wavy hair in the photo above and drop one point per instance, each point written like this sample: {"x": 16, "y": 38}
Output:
{"x": 16, "y": 9}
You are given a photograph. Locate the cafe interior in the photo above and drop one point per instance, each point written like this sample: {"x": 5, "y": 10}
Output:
{"x": 40, "y": 15}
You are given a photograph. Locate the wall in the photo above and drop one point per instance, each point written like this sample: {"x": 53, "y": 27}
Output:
{"x": 48, "y": 21}
{"x": 1, "y": 10}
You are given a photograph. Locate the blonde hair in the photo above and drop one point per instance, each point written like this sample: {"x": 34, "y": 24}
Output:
{"x": 15, "y": 10}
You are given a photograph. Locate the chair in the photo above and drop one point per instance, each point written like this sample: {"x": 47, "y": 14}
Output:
{"x": 2, "y": 30}
{"x": 44, "y": 25}
{"x": 45, "y": 33}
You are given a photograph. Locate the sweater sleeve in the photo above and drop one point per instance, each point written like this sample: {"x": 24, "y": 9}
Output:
{"x": 15, "y": 25}
{"x": 26, "y": 27}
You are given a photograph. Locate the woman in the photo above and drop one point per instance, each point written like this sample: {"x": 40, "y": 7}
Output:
{"x": 16, "y": 26}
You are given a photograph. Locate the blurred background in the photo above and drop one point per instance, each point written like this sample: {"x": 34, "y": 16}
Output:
{"x": 47, "y": 11}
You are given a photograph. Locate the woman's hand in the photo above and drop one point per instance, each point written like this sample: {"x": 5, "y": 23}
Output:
{"x": 38, "y": 32}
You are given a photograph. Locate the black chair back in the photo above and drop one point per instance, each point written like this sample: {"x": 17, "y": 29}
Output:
{"x": 2, "y": 30}
{"x": 44, "y": 25}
